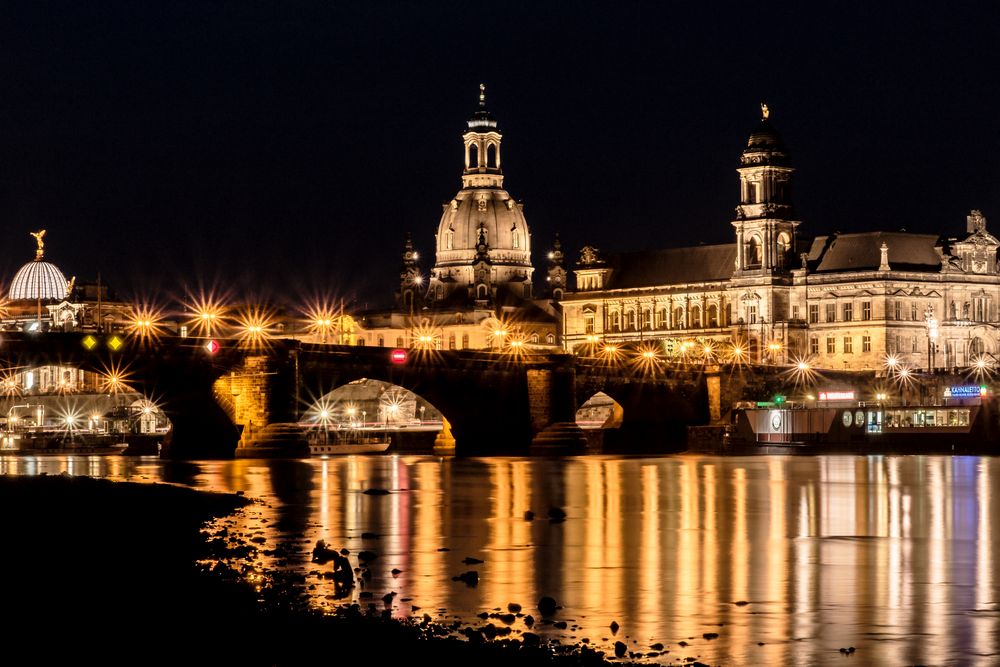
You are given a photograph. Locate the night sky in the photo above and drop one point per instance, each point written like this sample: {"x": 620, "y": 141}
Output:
{"x": 282, "y": 149}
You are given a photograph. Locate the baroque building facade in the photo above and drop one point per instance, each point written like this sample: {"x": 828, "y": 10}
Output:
{"x": 479, "y": 293}
{"x": 841, "y": 301}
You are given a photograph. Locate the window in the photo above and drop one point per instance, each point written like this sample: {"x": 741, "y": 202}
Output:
{"x": 616, "y": 321}
{"x": 848, "y": 345}
{"x": 866, "y": 343}
{"x": 752, "y": 314}
{"x": 831, "y": 312}
{"x": 980, "y": 309}
{"x": 913, "y": 344}
{"x": 647, "y": 316}
{"x": 866, "y": 310}
{"x": 713, "y": 316}
{"x": 550, "y": 339}
{"x": 661, "y": 315}
{"x": 399, "y": 341}
{"x": 831, "y": 345}
{"x": 813, "y": 313}
{"x": 848, "y": 311}
{"x": 534, "y": 338}
{"x": 630, "y": 320}
{"x": 913, "y": 311}
{"x": 361, "y": 342}
{"x": 465, "y": 341}
{"x": 898, "y": 310}
{"x": 515, "y": 239}
{"x": 381, "y": 341}
{"x": 696, "y": 316}
{"x": 451, "y": 342}
{"x": 678, "y": 318}
{"x": 588, "y": 323}
{"x": 814, "y": 345}
{"x": 449, "y": 239}
{"x": 751, "y": 192}
{"x": 795, "y": 312}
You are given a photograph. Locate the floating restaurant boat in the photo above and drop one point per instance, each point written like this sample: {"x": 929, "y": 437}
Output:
{"x": 964, "y": 421}
{"x": 53, "y": 444}
{"x": 341, "y": 442}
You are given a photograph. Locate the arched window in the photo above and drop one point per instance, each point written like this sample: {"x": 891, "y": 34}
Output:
{"x": 976, "y": 347}
{"x": 616, "y": 322}
{"x": 473, "y": 156}
{"x": 550, "y": 339}
{"x": 534, "y": 338}
{"x": 449, "y": 239}
{"x": 451, "y": 342}
{"x": 630, "y": 320}
{"x": 381, "y": 341}
{"x": 491, "y": 156}
{"x": 752, "y": 192}
{"x": 515, "y": 238}
{"x": 696, "y": 317}
{"x": 784, "y": 249}
{"x": 729, "y": 314}
{"x": 753, "y": 258}
{"x": 481, "y": 291}
{"x": 465, "y": 341}
{"x": 678, "y": 318}
{"x": 661, "y": 318}
{"x": 713, "y": 316}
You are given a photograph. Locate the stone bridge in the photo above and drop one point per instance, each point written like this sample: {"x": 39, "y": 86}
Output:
{"x": 496, "y": 403}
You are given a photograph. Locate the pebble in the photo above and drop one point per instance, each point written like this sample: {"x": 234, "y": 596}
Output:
{"x": 513, "y": 607}
{"x": 367, "y": 556}
{"x": 547, "y": 606}
{"x": 620, "y": 649}
{"x": 529, "y": 620}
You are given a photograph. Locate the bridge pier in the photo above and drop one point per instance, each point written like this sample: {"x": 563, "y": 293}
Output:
{"x": 552, "y": 405}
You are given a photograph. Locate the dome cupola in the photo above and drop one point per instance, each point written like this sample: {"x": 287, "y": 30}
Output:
{"x": 38, "y": 279}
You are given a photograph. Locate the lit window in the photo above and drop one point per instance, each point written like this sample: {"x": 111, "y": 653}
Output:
{"x": 866, "y": 343}
{"x": 831, "y": 345}
{"x": 866, "y": 310}
{"x": 848, "y": 345}
{"x": 814, "y": 345}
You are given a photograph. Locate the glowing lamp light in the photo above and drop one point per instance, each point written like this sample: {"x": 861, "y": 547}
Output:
{"x": 398, "y": 356}
{"x": 115, "y": 343}
{"x": 212, "y": 346}
{"x": 89, "y": 342}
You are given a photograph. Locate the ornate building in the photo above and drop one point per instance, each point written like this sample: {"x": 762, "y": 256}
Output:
{"x": 479, "y": 292}
{"x": 845, "y": 301}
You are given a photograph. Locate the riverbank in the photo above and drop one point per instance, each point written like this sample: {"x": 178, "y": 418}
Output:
{"x": 109, "y": 570}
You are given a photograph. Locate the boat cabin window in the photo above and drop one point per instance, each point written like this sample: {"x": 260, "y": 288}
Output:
{"x": 926, "y": 417}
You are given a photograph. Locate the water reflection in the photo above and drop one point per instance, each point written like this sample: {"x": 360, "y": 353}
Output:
{"x": 892, "y": 555}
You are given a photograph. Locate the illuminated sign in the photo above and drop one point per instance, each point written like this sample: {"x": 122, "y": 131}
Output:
{"x": 836, "y": 395}
{"x": 212, "y": 346}
{"x": 398, "y": 356}
{"x": 965, "y": 391}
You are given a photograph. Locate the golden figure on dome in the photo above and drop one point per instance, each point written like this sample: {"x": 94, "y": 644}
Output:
{"x": 764, "y": 111}
{"x": 41, "y": 244}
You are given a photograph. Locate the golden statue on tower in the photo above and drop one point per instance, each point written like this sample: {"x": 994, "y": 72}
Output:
{"x": 764, "y": 111}
{"x": 41, "y": 244}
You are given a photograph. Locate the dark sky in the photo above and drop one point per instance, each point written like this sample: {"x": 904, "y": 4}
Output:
{"x": 284, "y": 148}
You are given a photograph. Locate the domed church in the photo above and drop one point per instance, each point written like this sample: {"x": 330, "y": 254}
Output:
{"x": 479, "y": 293}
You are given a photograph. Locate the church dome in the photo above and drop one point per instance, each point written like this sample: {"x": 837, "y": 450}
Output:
{"x": 38, "y": 280}
{"x": 764, "y": 146}
{"x": 500, "y": 217}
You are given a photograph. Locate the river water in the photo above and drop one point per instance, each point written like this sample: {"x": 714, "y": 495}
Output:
{"x": 893, "y": 555}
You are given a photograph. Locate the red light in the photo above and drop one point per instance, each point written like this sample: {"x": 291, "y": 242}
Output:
{"x": 212, "y": 346}
{"x": 398, "y": 356}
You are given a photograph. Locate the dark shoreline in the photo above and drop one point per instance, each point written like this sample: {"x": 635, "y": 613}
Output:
{"x": 109, "y": 570}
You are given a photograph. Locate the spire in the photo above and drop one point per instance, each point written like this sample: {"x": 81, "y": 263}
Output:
{"x": 556, "y": 278}
{"x": 410, "y": 278}
{"x": 884, "y": 258}
{"x": 482, "y": 96}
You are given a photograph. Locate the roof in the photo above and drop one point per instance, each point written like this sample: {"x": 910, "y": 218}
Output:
{"x": 671, "y": 266}
{"x": 860, "y": 252}
{"x": 38, "y": 280}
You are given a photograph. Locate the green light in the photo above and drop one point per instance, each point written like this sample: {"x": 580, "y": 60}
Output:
{"x": 779, "y": 398}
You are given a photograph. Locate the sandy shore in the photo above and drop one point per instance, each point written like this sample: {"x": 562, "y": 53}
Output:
{"x": 110, "y": 570}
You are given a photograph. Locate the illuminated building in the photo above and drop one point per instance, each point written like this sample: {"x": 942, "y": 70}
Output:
{"x": 479, "y": 293}
{"x": 845, "y": 301}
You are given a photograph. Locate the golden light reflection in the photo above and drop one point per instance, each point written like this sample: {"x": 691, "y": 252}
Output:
{"x": 821, "y": 549}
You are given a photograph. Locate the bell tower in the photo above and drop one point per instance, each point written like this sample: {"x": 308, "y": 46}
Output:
{"x": 764, "y": 224}
{"x": 482, "y": 148}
